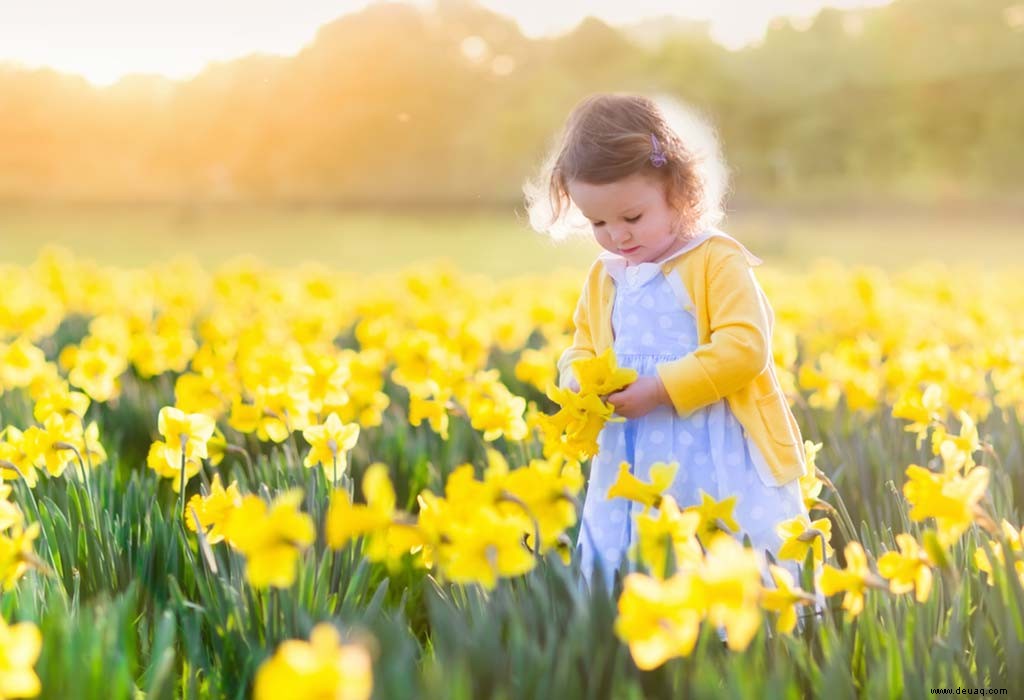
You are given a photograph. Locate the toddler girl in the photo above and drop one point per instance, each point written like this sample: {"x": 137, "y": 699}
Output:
{"x": 677, "y": 300}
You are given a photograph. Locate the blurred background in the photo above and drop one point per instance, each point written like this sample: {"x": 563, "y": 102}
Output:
{"x": 372, "y": 135}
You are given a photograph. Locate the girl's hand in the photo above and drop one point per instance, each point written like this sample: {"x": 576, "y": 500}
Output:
{"x": 639, "y": 398}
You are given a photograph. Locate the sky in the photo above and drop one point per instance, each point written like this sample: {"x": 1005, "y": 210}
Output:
{"x": 104, "y": 40}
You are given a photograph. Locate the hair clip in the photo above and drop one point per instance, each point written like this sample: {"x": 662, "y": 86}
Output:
{"x": 658, "y": 158}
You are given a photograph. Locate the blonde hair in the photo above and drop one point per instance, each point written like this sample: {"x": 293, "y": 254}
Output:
{"x": 607, "y": 137}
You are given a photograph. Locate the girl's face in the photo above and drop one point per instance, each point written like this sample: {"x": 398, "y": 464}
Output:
{"x": 631, "y": 217}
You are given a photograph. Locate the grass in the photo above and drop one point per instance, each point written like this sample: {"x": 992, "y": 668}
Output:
{"x": 132, "y": 609}
{"x": 498, "y": 242}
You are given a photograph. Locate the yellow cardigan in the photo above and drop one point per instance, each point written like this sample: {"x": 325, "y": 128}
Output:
{"x": 734, "y": 357}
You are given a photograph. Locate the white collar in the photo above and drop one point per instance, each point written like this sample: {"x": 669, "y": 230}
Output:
{"x": 638, "y": 275}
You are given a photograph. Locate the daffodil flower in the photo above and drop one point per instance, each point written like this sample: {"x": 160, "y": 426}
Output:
{"x": 783, "y": 599}
{"x": 323, "y": 667}
{"x": 799, "y": 534}
{"x": 649, "y": 494}
{"x": 731, "y": 581}
{"x": 948, "y": 497}
{"x": 715, "y": 516}
{"x": 185, "y": 432}
{"x": 601, "y": 375}
{"x": 1016, "y": 539}
{"x": 214, "y": 509}
{"x": 21, "y": 644}
{"x": 346, "y": 520}
{"x": 909, "y": 569}
{"x": 331, "y": 443}
{"x": 854, "y": 580}
{"x": 659, "y": 620}
{"x": 673, "y": 529}
{"x": 271, "y": 538}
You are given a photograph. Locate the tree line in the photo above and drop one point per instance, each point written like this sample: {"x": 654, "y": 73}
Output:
{"x": 397, "y": 105}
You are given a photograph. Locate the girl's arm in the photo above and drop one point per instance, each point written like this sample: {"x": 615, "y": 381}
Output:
{"x": 740, "y": 345}
{"x": 582, "y": 343}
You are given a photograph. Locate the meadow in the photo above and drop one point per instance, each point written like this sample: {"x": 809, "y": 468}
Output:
{"x": 261, "y": 477}
{"x": 496, "y": 241}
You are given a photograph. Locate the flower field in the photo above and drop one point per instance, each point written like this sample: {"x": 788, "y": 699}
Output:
{"x": 270, "y": 482}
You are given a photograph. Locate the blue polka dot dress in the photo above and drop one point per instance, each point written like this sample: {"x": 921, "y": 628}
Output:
{"x": 651, "y": 324}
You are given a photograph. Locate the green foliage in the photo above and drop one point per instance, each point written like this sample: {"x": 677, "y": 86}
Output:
{"x": 132, "y": 608}
{"x": 919, "y": 97}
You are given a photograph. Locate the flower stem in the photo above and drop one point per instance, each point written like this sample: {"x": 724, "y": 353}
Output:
{"x": 845, "y": 521}
{"x": 181, "y": 483}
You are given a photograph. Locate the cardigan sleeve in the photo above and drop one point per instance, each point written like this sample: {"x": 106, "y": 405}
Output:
{"x": 739, "y": 348}
{"x": 582, "y": 342}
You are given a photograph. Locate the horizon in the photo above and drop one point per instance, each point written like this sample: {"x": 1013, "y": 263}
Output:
{"x": 128, "y": 41}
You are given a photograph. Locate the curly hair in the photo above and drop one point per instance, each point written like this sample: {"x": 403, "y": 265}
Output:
{"x": 607, "y": 137}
